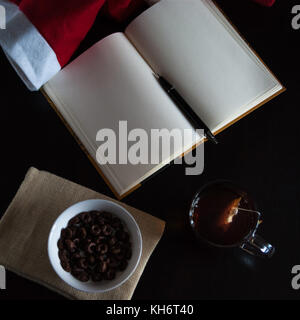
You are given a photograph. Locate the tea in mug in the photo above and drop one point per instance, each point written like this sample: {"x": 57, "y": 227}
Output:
{"x": 223, "y": 215}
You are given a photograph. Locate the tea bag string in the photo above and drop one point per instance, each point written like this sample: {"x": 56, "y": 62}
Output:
{"x": 237, "y": 209}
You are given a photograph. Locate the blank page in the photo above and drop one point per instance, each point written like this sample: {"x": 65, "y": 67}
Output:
{"x": 108, "y": 83}
{"x": 192, "y": 44}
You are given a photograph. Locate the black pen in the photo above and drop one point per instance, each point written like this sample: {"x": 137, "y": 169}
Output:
{"x": 185, "y": 108}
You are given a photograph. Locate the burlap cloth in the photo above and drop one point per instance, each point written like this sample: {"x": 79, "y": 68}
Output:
{"x": 25, "y": 227}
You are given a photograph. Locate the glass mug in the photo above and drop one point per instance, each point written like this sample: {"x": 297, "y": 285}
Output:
{"x": 223, "y": 215}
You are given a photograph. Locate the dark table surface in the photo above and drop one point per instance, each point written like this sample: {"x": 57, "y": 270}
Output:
{"x": 260, "y": 152}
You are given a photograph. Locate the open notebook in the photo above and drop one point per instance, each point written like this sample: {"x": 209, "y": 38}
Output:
{"x": 191, "y": 44}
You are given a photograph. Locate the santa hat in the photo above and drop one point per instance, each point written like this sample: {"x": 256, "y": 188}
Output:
{"x": 41, "y": 35}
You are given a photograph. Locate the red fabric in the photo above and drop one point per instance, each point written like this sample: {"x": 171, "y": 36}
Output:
{"x": 266, "y": 3}
{"x": 63, "y": 23}
{"x": 123, "y": 9}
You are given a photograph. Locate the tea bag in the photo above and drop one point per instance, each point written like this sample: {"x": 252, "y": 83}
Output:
{"x": 227, "y": 216}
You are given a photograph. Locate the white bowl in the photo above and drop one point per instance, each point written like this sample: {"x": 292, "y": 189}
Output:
{"x": 89, "y": 205}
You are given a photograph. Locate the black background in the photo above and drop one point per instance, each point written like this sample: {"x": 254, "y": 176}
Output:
{"x": 260, "y": 152}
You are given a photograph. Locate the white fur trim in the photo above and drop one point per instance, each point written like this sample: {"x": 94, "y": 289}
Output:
{"x": 27, "y": 50}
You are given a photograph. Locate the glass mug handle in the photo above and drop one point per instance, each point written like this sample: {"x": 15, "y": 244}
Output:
{"x": 257, "y": 246}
